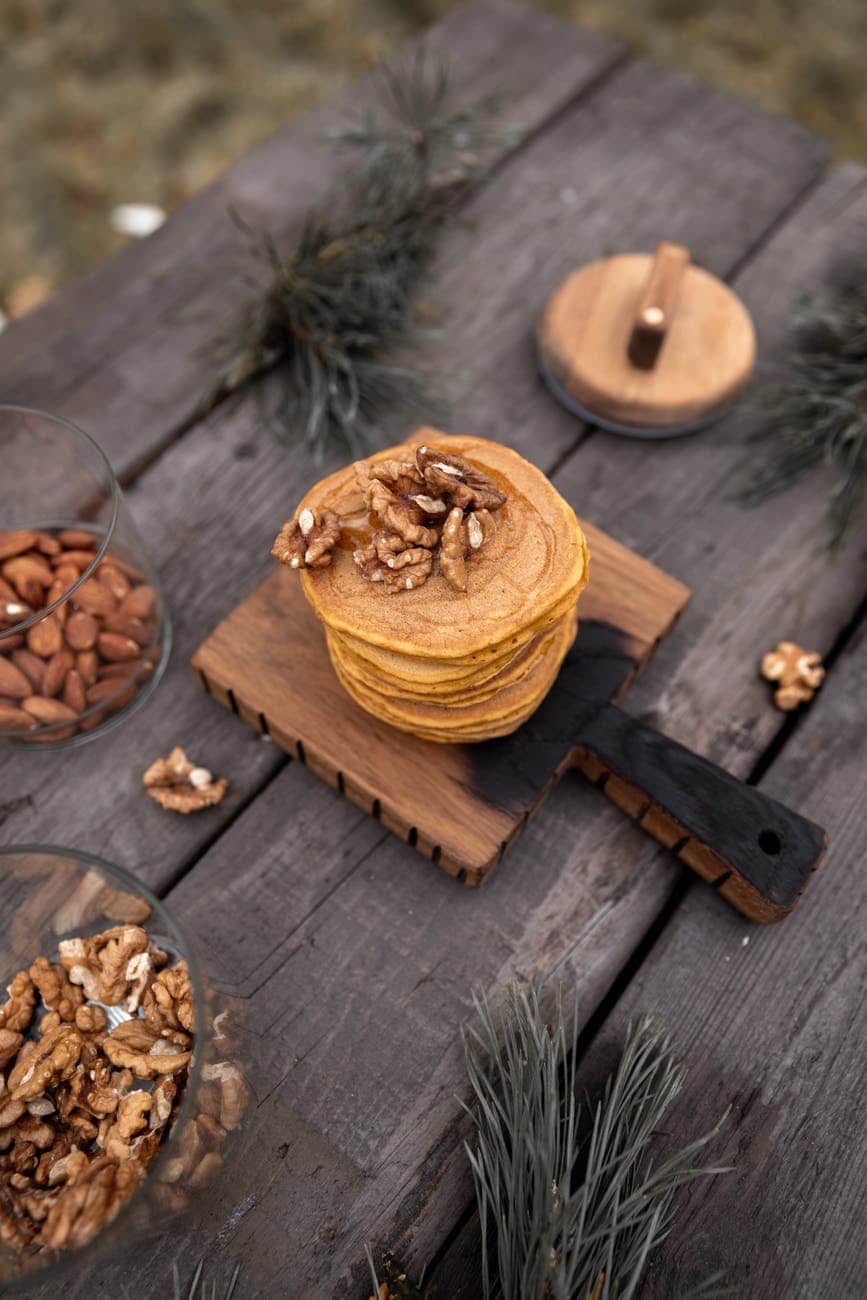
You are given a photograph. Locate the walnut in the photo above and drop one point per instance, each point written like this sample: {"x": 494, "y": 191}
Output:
{"x": 466, "y": 485}
{"x": 57, "y": 992}
{"x": 54, "y": 1059}
{"x": 86, "y": 1204}
{"x": 452, "y": 562}
{"x": 10, "y": 1041}
{"x": 798, "y": 672}
{"x": 104, "y": 964}
{"x": 137, "y": 1046}
{"x": 399, "y": 513}
{"x": 18, "y": 1011}
{"x": 307, "y": 542}
{"x": 91, "y": 1020}
{"x": 180, "y": 786}
{"x": 66, "y": 1168}
{"x": 168, "y": 1003}
{"x": 131, "y": 1119}
{"x": 403, "y": 477}
{"x": 234, "y": 1092}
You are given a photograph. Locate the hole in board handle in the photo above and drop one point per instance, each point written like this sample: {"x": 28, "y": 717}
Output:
{"x": 770, "y": 843}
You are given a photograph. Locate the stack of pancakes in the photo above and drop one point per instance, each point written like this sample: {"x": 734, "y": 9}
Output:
{"x": 449, "y": 665}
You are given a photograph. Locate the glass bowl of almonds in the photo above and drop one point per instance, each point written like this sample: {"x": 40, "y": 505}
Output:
{"x": 115, "y": 1092}
{"x": 84, "y": 633}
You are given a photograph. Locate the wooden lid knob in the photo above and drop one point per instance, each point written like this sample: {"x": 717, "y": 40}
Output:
{"x": 647, "y": 344}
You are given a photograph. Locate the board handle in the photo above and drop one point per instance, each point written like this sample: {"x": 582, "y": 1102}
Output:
{"x": 656, "y": 305}
{"x": 757, "y": 853}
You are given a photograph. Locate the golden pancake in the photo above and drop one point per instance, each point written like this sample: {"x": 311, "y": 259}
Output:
{"x": 507, "y": 708}
{"x": 535, "y": 560}
{"x": 514, "y": 671}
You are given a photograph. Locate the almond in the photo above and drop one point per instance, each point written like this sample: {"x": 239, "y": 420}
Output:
{"x": 73, "y": 692}
{"x": 129, "y": 668}
{"x": 57, "y": 591}
{"x": 13, "y": 682}
{"x": 135, "y": 628}
{"x": 140, "y": 603}
{"x": 55, "y": 673}
{"x": 7, "y": 592}
{"x": 15, "y": 542}
{"x": 12, "y": 642}
{"x": 47, "y": 711}
{"x": 87, "y": 665}
{"x": 103, "y": 690}
{"x": 117, "y": 582}
{"x": 93, "y": 720}
{"x": 14, "y": 719}
{"x": 92, "y": 597}
{"x": 45, "y": 637}
{"x": 76, "y": 539}
{"x": 81, "y": 630}
{"x": 79, "y": 559}
{"x": 32, "y": 667}
{"x": 113, "y": 646}
{"x": 134, "y": 574}
{"x": 47, "y": 544}
{"x": 67, "y": 574}
{"x": 27, "y": 572}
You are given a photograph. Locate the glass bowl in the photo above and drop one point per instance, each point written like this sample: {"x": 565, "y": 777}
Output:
{"x": 49, "y": 895}
{"x": 84, "y": 631}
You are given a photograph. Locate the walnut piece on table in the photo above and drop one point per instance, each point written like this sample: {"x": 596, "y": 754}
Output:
{"x": 179, "y": 785}
{"x": 797, "y": 673}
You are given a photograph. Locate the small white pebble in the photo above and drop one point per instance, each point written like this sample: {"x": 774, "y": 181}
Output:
{"x": 200, "y": 777}
{"x": 745, "y": 941}
{"x": 138, "y": 219}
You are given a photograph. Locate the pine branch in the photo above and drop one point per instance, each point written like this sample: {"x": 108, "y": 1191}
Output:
{"x": 573, "y": 1198}
{"x": 329, "y": 315}
{"x": 817, "y": 416}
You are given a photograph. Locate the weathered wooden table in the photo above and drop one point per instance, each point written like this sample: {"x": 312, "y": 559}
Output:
{"x": 354, "y": 957}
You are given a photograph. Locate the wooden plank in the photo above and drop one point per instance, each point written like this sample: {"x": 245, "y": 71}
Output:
{"x": 211, "y": 544}
{"x": 350, "y": 992}
{"x": 458, "y": 805}
{"x": 127, "y": 353}
{"x": 375, "y": 1066}
{"x": 368, "y": 991}
{"x": 772, "y": 1024}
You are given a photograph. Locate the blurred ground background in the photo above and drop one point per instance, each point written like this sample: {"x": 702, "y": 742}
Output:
{"x": 112, "y": 101}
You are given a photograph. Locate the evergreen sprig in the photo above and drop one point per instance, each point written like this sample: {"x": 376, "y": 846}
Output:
{"x": 573, "y": 1195}
{"x": 817, "y": 415}
{"x": 329, "y": 315}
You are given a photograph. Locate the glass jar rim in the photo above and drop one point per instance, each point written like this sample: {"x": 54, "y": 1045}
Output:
{"x": 88, "y": 1254}
{"x": 38, "y": 615}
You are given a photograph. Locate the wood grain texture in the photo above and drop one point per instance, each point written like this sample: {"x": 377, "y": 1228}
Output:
{"x": 778, "y": 1034}
{"x": 211, "y": 540}
{"x": 354, "y": 964}
{"x": 128, "y": 353}
{"x": 458, "y": 805}
{"x": 690, "y": 369}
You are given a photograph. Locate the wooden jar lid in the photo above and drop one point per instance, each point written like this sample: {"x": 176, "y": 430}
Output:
{"x": 647, "y": 345}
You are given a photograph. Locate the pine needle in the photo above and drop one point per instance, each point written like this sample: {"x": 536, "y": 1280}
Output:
{"x": 330, "y": 315}
{"x": 817, "y": 416}
{"x": 572, "y": 1196}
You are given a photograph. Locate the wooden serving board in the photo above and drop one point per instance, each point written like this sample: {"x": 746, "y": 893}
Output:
{"x": 459, "y": 805}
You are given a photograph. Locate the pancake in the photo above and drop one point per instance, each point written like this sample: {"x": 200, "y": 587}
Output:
{"x": 469, "y": 649}
{"x": 512, "y": 673}
{"x": 536, "y": 558}
{"x": 470, "y": 730}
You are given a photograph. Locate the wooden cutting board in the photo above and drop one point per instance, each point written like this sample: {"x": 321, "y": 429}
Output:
{"x": 460, "y": 805}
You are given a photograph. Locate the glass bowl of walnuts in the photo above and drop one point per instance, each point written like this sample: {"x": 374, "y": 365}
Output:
{"x": 115, "y": 1094}
{"x": 84, "y": 632}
